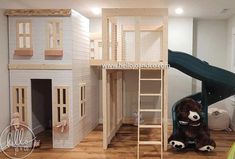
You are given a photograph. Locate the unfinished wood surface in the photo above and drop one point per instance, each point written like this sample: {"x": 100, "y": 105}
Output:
{"x": 54, "y": 53}
{"x": 123, "y": 64}
{"x": 24, "y": 52}
{"x": 123, "y": 146}
{"x": 60, "y": 110}
{"x": 23, "y": 34}
{"x": 60, "y": 103}
{"x": 40, "y": 66}
{"x": 82, "y": 100}
{"x": 148, "y": 28}
{"x": 20, "y": 102}
{"x": 137, "y": 41}
{"x": 165, "y": 40}
{"x": 105, "y": 37}
{"x": 104, "y": 105}
{"x": 135, "y": 11}
{"x": 54, "y": 35}
{"x": 119, "y": 96}
{"x": 114, "y": 41}
{"x": 165, "y": 108}
{"x": 38, "y": 12}
{"x": 96, "y": 36}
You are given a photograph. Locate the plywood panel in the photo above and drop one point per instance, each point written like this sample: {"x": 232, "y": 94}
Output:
{"x": 38, "y": 12}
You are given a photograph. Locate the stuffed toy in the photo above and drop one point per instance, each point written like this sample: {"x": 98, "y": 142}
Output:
{"x": 63, "y": 123}
{"x": 191, "y": 128}
{"x": 15, "y": 121}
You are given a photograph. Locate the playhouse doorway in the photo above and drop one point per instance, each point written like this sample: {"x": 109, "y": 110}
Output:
{"x": 42, "y": 111}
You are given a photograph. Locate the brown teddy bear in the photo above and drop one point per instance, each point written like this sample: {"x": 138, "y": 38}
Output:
{"x": 191, "y": 127}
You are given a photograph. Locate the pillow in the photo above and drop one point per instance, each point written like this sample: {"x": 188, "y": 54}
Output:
{"x": 218, "y": 119}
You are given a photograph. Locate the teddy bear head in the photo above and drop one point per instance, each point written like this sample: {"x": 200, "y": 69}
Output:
{"x": 188, "y": 112}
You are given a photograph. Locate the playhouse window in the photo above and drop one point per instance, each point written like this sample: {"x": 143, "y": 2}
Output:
{"x": 54, "y": 41}
{"x": 19, "y": 101}
{"x": 82, "y": 100}
{"x": 61, "y": 102}
{"x": 24, "y": 35}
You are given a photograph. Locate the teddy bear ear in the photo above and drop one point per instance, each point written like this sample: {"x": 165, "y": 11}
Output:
{"x": 179, "y": 108}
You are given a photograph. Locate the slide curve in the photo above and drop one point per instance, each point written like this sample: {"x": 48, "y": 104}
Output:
{"x": 200, "y": 70}
{"x": 217, "y": 83}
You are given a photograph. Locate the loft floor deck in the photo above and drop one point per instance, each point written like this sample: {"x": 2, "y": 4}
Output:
{"x": 128, "y": 65}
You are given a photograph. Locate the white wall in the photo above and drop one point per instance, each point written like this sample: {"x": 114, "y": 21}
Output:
{"x": 180, "y": 38}
{"x": 214, "y": 45}
{"x": 59, "y": 78}
{"x": 231, "y": 43}
{"x": 212, "y": 42}
{"x": 39, "y": 41}
{"x": 4, "y": 80}
{"x": 231, "y": 62}
{"x": 83, "y": 73}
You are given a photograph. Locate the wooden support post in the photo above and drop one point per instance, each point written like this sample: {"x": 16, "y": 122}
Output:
{"x": 165, "y": 83}
{"x": 137, "y": 41}
{"x": 114, "y": 42}
{"x": 119, "y": 96}
{"x": 123, "y": 45}
{"x": 104, "y": 103}
{"x": 165, "y": 40}
{"x": 105, "y": 37}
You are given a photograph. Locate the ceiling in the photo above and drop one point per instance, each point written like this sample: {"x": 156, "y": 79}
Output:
{"x": 206, "y": 9}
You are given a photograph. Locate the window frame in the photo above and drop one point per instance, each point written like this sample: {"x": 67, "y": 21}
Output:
{"x": 20, "y": 102}
{"x": 24, "y": 35}
{"x": 82, "y": 100}
{"x": 54, "y": 34}
{"x": 61, "y": 101}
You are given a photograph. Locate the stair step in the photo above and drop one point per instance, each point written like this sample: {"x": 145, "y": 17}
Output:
{"x": 150, "y": 110}
{"x": 150, "y": 94}
{"x": 150, "y": 126}
{"x": 150, "y": 142}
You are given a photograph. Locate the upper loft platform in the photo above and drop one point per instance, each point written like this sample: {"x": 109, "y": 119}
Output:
{"x": 131, "y": 36}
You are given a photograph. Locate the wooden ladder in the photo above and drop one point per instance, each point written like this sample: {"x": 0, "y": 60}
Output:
{"x": 160, "y": 110}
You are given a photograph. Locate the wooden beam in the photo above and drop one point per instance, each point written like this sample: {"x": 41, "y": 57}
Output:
{"x": 104, "y": 104}
{"x": 38, "y": 12}
{"x": 40, "y": 67}
{"x": 135, "y": 11}
{"x": 96, "y": 36}
{"x": 54, "y": 53}
{"x": 137, "y": 41}
{"x": 144, "y": 28}
{"x": 123, "y": 64}
{"x": 105, "y": 37}
{"x": 23, "y": 52}
{"x": 114, "y": 41}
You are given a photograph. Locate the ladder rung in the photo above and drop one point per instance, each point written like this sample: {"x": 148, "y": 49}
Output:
{"x": 150, "y": 79}
{"x": 150, "y": 110}
{"x": 150, "y": 142}
{"x": 150, "y": 94}
{"x": 150, "y": 126}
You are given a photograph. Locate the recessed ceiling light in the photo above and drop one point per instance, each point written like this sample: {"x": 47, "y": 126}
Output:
{"x": 179, "y": 10}
{"x": 96, "y": 11}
